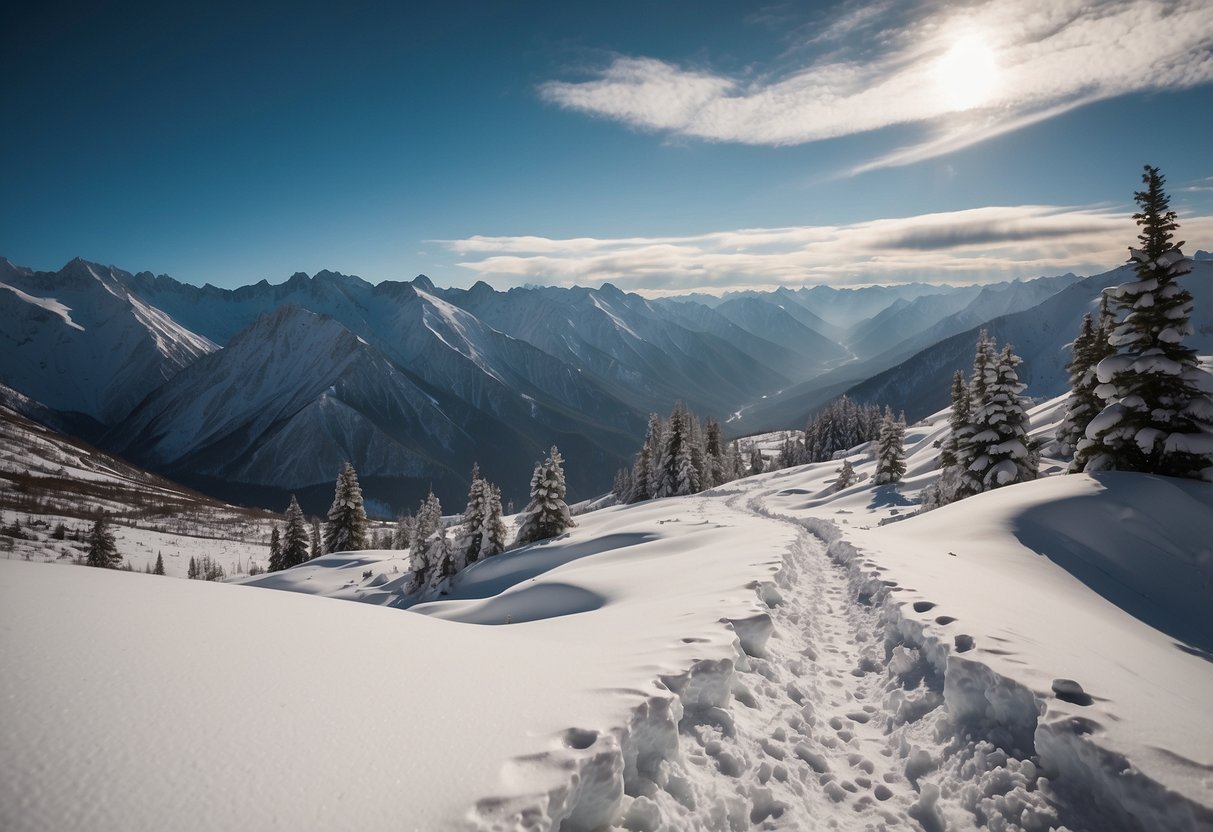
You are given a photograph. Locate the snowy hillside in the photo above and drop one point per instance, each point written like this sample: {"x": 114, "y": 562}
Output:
{"x": 770, "y": 654}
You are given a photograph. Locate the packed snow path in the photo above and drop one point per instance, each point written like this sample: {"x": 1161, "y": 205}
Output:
{"x": 836, "y": 723}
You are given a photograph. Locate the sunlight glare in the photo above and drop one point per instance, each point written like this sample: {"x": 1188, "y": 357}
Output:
{"x": 967, "y": 74}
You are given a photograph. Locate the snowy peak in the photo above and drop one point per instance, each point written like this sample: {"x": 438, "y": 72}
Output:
{"x": 77, "y": 340}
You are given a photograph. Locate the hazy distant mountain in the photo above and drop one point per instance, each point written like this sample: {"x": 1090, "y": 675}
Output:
{"x": 644, "y": 355}
{"x": 1041, "y": 336}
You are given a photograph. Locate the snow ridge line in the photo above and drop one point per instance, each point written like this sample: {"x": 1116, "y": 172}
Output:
{"x": 1096, "y": 788}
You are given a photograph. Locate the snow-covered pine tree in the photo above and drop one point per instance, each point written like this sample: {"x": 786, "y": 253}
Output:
{"x": 275, "y": 550}
{"x": 699, "y": 460}
{"x": 621, "y": 487}
{"x": 317, "y": 547}
{"x": 294, "y": 539}
{"x": 102, "y": 550}
{"x": 737, "y": 462}
{"x": 1155, "y": 418}
{"x": 714, "y": 468}
{"x": 402, "y": 537}
{"x": 676, "y": 474}
{"x": 1089, "y": 348}
{"x": 958, "y": 420}
{"x": 424, "y": 551}
{"x": 846, "y": 476}
{"x": 345, "y": 530}
{"x": 757, "y": 464}
{"x": 468, "y": 540}
{"x": 890, "y": 451}
{"x": 547, "y": 514}
{"x": 983, "y": 360}
{"x": 644, "y": 471}
{"x": 158, "y": 569}
{"x": 787, "y": 452}
{"x": 192, "y": 572}
{"x": 492, "y": 532}
{"x": 998, "y": 449}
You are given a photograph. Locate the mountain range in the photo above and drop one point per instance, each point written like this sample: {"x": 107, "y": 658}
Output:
{"x": 253, "y": 393}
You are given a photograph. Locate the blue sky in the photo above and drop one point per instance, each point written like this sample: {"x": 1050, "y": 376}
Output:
{"x": 696, "y": 146}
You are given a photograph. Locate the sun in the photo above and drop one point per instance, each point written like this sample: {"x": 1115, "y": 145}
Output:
{"x": 967, "y": 74}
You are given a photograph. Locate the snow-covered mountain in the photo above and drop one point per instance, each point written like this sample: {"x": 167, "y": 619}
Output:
{"x": 97, "y": 350}
{"x": 1041, "y": 336}
{"x": 645, "y": 356}
{"x": 80, "y": 342}
{"x": 294, "y": 395}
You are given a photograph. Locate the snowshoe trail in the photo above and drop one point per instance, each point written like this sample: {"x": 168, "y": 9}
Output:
{"x": 836, "y": 723}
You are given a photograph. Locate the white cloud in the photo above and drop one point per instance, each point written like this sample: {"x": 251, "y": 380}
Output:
{"x": 972, "y": 246}
{"x": 1049, "y": 56}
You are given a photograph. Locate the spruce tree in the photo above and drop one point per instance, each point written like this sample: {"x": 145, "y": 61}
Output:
{"x": 275, "y": 551}
{"x": 294, "y": 540}
{"x": 676, "y": 473}
{"x": 1089, "y": 348}
{"x": 102, "y": 550}
{"x": 158, "y": 569}
{"x": 468, "y": 542}
{"x": 492, "y": 532}
{"x": 999, "y": 450}
{"x": 846, "y": 476}
{"x": 402, "y": 538}
{"x": 714, "y": 454}
{"x": 644, "y": 471}
{"x": 547, "y": 514}
{"x": 426, "y": 548}
{"x": 890, "y": 453}
{"x": 317, "y": 547}
{"x": 345, "y": 530}
{"x": 1155, "y": 418}
{"x": 958, "y": 420}
{"x": 192, "y": 572}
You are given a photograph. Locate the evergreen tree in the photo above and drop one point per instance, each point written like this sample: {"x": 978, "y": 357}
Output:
{"x": 644, "y": 471}
{"x": 999, "y": 449}
{"x": 294, "y": 541}
{"x": 102, "y": 550}
{"x": 275, "y": 551}
{"x": 345, "y": 530}
{"x": 676, "y": 474}
{"x": 983, "y": 360}
{"x": 158, "y": 569}
{"x": 714, "y": 456}
{"x": 846, "y": 476}
{"x": 317, "y": 547}
{"x": 1155, "y": 418}
{"x": 958, "y": 420}
{"x": 1089, "y": 348}
{"x": 426, "y": 549}
{"x": 492, "y": 532}
{"x": 468, "y": 543}
{"x": 622, "y": 486}
{"x": 192, "y": 573}
{"x": 757, "y": 465}
{"x": 890, "y": 454}
{"x": 736, "y": 462}
{"x": 403, "y": 536}
{"x": 547, "y": 514}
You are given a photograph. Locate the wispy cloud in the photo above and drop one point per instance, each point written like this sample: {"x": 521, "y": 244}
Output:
{"x": 972, "y": 246}
{"x": 1043, "y": 58}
